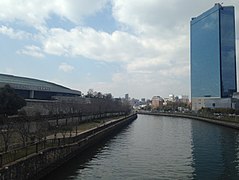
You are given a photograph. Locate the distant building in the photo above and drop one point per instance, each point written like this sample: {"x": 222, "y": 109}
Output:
{"x": 213, "y": 56}
{"x": 30, "y": 88}
{"x": 214, "y": 103}
{"x": 171, "y": 97}
{"x": 235, "y": 95}
{"x": 157, "y": 102}
{"x": 235, "y": 100}
{"x": 134, "y": 102}
{"x": 126, "y": 97}
{"x": 183, "y": 99}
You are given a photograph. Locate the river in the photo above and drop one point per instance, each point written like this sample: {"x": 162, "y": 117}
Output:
{"x": 157, "y": 147}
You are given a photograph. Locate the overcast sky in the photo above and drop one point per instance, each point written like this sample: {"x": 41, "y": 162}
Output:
{"x": 140, "y": 47}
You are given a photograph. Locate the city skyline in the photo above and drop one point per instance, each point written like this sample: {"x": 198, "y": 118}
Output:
{"x": 137, "y": 47}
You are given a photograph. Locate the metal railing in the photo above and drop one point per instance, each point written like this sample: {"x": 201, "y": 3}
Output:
{"x": 36, "y": 147}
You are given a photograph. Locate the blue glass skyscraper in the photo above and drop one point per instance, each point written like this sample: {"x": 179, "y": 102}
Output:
{"x": 213, "y": 53}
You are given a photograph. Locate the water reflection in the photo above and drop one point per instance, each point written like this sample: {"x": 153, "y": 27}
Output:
{"x": 215, "y": 151}
{"x": 155, "y": 147}
{"x": 72, "y": 169}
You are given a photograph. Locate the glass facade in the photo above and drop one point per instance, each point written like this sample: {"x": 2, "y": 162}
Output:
{"x": 228, "y": 52}
{"x": 213, "y": 61}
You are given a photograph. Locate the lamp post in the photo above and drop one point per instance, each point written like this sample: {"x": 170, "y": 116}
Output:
{"x": 56, "y": 130}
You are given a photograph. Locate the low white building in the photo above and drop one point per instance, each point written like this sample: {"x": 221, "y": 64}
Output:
{"x": 183, "y": 99}
{"x": 218, "y": 103}
{"x": 213, "y": 103}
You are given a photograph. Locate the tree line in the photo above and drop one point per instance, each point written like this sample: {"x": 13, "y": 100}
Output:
{"x": 18, "y": 128}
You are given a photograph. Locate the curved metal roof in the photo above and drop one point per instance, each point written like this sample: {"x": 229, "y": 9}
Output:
{"x": 25, "y": 83}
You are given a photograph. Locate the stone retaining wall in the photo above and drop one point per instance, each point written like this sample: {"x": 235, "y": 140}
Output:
{"x": 40, "y": 164}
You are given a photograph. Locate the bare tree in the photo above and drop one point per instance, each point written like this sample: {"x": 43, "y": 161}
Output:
{"x": 24, "y": 129}
{"x": 6, "y": 131}
{"x": 41, "y": 129}
{"x": 64, "y": 130}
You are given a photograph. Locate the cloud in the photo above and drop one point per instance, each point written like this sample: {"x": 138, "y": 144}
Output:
{"x": 159, "y": 18}
{"x": 37, "y": 12}
{"x": 14, "y": 34}
{"x": 151, "y": 42}
{"x": 118, "y": 46}
{"x": 33, "y": 51}
{"x": 87, "y": 42}
{"x": 149, "y": 18}
{"x": 66, "y": 67}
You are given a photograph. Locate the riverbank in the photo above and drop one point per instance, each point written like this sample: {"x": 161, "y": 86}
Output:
{"x": 209, "y": 120}
{"x": 43, "y": 162}
{"x": 21, "y": 131}
{"x": 157, "y": 147}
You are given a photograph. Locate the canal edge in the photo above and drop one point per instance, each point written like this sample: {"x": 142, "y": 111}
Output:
{"x": 212, "y": 121}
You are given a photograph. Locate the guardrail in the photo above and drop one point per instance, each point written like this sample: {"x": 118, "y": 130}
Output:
{"x": 39, "y": 164}
{"x": 23, "y": 152}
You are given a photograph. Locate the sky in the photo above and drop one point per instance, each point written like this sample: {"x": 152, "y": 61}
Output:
{"x": 139, "y": 47}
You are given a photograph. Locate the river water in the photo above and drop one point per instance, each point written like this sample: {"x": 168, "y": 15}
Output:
{"x": 156, "y": 147}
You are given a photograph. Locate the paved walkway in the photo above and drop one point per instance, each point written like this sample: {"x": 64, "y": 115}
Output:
{"x": 80, "y": 128}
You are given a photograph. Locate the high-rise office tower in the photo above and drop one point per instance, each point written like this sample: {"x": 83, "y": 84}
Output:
{"x": 213, "y": 54}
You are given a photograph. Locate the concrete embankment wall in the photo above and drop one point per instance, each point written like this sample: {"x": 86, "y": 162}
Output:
{"x": 214, "y": 121}
{"x": 38, "y": 165}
